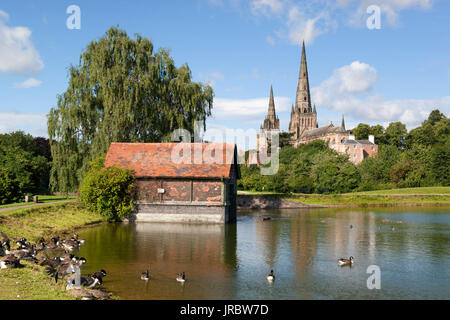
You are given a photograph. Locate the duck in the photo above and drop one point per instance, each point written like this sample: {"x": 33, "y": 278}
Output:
{"x": 270, "y": 277}
{"x": 267, "y": 219}
{"x": 345, "y": 262}
{"x": 145, "y": 275}
{"x": 10, "y": 261}
{"x": 181, "y": 277}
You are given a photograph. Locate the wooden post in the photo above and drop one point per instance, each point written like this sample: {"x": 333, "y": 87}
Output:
{"x": 35, "y": 199}
{"x": 27, "y": 198}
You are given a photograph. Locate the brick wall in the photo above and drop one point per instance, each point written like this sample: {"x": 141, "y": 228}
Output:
{"x": 179, "y": 190}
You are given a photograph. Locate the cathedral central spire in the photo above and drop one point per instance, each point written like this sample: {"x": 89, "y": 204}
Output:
{"x": 303, "y": 117}
{"x": 303, "y": 101}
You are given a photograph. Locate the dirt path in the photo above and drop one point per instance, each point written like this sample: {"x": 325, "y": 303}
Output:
{"x": 33, "y": 205}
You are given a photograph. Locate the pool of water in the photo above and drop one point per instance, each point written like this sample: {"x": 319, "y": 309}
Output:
{"x": 410, "y": 246}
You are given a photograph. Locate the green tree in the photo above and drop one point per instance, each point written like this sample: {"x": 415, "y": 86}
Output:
{"x": 396, "y": 134}
{"x": 9, "y": 188}
{"x": 361, "y": 132}
{"x": 440, "y": 164}
{"x": 108, "y": 191}
{"x": 121, "y": 91}
{"x": 22, "y": 156}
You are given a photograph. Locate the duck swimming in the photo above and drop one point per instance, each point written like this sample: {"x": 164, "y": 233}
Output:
{"x": 270, "y": 277}
{"x": 346, "y": 262}
{"x": 145, "y": 275}
{"x": 181, "y": 277}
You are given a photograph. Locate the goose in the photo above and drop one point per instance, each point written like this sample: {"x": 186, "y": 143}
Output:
{"x": 10, "y": 261}
{"x": 66, "y": 258}
{"x": 80, "y": 241}
{"x": 89, "y": 281}
{"x": 54, "y": 243}
{"x": 70, "y": 244}
{"x": 267, "y": 219}
{"x": 4, "y": 241}
{"x": 21, "y": 243}
{"x": 99, "y": 275}
{"x": 345, "y": 262}
{"x": 270, "y": 277}
{"x": 145, "y": 275}
{"x": 41, "y": 245}
{"x": 56, "y": 261}
{"x": 100, "y": 295}
{"x": 181, "y": 277}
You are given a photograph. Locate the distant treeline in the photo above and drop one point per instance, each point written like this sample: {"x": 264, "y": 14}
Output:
{"x": 419, "y": 158}
{"x": 24, "y": 166}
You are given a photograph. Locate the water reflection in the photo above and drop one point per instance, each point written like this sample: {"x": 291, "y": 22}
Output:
{"x": 231, "y": 262}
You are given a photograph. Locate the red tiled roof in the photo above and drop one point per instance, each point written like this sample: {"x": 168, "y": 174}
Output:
{"x": 172, "y": 160}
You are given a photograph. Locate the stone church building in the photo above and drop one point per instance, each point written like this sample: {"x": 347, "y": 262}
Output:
{"x": 305, "y": 128}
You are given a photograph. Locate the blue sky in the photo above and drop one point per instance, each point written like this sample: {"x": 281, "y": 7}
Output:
{"x": 399, "y": 72}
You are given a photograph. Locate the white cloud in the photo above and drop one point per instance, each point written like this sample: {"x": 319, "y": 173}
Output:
{"x": 354, "y": 78}
{"x": 29, "y": 83}
{"x": 17, "y": 52}
{"x": 306, "y": 20}
{"x": 349, "y": 90}
{"x": 267, "y": 7}
{"x": 35, "y": 124}
{"x": 304, "y": 25}
{"x": 249, "y": 110}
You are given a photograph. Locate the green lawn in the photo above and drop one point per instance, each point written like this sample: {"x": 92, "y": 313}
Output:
{"x": 44, "y": 221}
{"x": 432, "y": 196}
{"x": 42, "y": 199}
{"x": 409, "y": 191}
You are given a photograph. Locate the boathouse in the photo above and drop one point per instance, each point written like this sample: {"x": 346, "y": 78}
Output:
{"x": 181, "y": 182}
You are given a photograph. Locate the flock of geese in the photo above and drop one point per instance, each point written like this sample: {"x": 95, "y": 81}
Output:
{"x": 62, "y": 264}
{"x": 181, "y": 277}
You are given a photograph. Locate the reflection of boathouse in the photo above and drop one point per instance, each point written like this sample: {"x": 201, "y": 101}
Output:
{"x": 181, "y": 182}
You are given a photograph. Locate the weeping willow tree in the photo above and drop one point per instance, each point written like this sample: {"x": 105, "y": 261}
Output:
{"x": 121, "y": 91}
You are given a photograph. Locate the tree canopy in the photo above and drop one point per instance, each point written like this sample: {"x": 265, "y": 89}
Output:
{"x": 24, "y": 166}
{"x": 120, "y": 91}
{"x": 419, "y": 158}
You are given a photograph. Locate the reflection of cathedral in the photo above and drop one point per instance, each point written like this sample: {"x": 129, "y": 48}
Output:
{"x": 304, "y": 125}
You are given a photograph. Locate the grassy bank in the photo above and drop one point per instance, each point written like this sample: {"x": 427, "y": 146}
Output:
{"x": 31, "y": 282}
{"x": 434, "y": 196}
{"x": 42, "y": 199}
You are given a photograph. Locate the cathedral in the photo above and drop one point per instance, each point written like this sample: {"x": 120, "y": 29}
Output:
{"x": 305, "y": 128}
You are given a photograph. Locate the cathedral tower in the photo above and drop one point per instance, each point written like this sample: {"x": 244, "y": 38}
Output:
{"x": 271, "y": 122}
{"x": 303, "y": 117}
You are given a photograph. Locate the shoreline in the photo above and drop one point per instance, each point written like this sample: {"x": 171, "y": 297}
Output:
{"x": 31, "y": 282}
{"x": 288, "y": 201}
